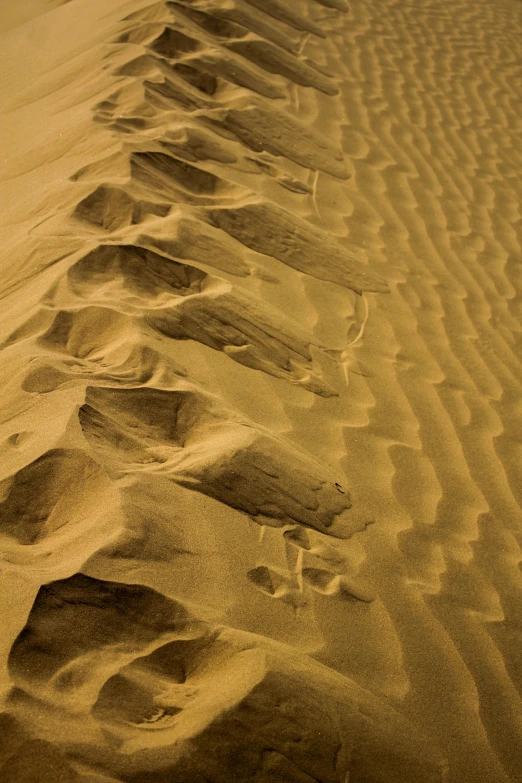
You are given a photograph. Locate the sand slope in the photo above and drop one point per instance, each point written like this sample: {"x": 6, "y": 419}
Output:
{"x": 262, "y": 426}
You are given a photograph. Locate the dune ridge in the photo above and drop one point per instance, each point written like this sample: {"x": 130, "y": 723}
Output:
{"x": 260, "y": 510}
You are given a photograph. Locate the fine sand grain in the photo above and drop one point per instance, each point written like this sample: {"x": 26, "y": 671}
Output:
{"x": 261, "y": 432}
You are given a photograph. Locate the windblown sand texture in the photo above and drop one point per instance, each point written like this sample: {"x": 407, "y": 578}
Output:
{"x": 261, "y": 442}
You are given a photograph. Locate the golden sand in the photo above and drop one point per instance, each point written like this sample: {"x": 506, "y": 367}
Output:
{"x": 261, "y": 439}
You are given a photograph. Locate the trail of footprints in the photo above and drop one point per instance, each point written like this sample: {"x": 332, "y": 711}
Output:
{"x": 312, "y": 562}
{"x": 197, "y": 92}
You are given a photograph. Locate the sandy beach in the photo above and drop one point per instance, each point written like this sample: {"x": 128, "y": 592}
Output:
{"x": 261, "y": 370}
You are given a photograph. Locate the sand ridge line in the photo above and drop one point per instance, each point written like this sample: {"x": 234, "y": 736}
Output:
{"x": 103, "y": 338}
{"x": 141, "y": 420}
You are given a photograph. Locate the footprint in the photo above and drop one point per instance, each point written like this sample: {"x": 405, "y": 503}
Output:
{"x": 329, "y": 584}
{"x": 53, "y": 492}
{"x": 277, "y": 586}
{"x": 298, "y": 537}
{"x": 203, "y": 446}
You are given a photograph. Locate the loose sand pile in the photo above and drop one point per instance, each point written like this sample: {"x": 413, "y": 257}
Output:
{"x": 261, "y": 441}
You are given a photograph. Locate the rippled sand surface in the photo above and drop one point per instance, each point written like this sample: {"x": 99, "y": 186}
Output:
{"x": 261, "y": 439}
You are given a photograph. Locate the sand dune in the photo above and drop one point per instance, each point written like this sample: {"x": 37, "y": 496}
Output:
{"x": 260, "y": 465}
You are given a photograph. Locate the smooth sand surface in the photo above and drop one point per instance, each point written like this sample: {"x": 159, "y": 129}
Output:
{"x": 261, "y": 439}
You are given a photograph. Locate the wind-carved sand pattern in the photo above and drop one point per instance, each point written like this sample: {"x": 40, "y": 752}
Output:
{"x": 260, "y": 468}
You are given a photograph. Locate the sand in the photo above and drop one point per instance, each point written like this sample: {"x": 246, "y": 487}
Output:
{"x": 261, "y": 439}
